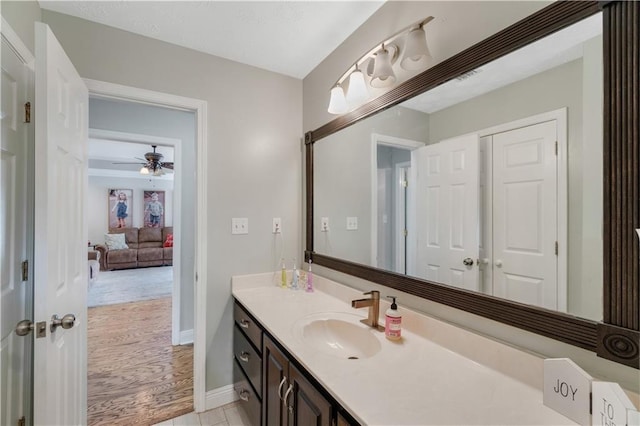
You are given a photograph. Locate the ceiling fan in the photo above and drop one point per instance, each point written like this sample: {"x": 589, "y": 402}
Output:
{"x": 152, "y": 163}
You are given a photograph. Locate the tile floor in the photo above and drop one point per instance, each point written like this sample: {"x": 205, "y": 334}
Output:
{"x": 227, "y": 415}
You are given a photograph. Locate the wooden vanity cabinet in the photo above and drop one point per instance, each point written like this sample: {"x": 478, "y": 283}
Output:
{"x": 247, "y": 365}
{"x": 289, "y": 398}
{"x": 262, "y": 388}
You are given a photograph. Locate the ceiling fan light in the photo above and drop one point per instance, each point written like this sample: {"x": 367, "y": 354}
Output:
{"x": 383, "y": 75}
{"x": 338, "y": 102}
{"x": 357, "y": 92}
{"x": 416, "y": 52}
{"x": 144, "y": 170}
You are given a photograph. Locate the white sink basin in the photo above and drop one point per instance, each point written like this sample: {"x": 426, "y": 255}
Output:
{"x": 338, "y": 334}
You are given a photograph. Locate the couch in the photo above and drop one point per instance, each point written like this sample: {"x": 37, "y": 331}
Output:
{"x": 146, "y": 248}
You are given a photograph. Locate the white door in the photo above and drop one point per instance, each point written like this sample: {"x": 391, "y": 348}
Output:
{"x": 525, "y": 215}
{"x": 14, "y": 292}
{"x": 447, "y": 206}
{"x": 60, "y": 255}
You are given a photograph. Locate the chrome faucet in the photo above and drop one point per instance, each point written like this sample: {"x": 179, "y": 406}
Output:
{"x": 373, "y": 303}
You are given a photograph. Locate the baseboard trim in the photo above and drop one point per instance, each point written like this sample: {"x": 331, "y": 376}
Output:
{"x": 186, "y": 337}
{"x": 219, "y": 397}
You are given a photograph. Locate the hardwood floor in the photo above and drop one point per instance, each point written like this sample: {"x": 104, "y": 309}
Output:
{"x": 135, "y": 376}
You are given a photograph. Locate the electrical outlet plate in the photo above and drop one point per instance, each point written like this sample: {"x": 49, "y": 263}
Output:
{"x": 239, "y": 225}
{"x": 352, "y": 223}
{"x": 324, "y": 224}
{"x": 277, "y": 225}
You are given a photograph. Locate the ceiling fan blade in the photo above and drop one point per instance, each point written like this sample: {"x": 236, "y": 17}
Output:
{"x": 134, "y": 162}
{"x": 167, "y": 165}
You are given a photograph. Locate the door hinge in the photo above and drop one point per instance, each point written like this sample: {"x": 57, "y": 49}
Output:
{"x": 25, "y": 270}
{"x": 556, "y": 248}
{"x": 27, "y": 112}
{"x": 405, "y": 183}
{"x": 21, "y": 421}
{"x": 406, "y": 232}
{"x": 556, "y": 148}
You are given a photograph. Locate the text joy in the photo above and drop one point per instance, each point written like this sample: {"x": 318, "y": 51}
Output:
{"x": 565, "y": 389}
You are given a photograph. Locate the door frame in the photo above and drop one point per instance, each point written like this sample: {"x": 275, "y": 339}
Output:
{"x": 28, "y": 59}
{"x": 394, "y": 142}
{"x": 199, "y": 107}
{"x": 560, "y": 117}
{"x": 177, "y": 145}
{"x": 401, "y": 200}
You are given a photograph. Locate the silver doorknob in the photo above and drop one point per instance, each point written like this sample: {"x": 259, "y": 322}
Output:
{"x": 24, "y": 327}
{"x": 65, "y": 322}
{"x": 499, "y": 263}
{"x": 467, "y": 262}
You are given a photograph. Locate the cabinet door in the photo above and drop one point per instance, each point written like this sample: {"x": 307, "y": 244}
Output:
{"x": 309, "y": 406}
{"x": 275, "y": 378}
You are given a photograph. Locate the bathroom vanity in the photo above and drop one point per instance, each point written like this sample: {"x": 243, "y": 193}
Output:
{"x": 305, "y": 358}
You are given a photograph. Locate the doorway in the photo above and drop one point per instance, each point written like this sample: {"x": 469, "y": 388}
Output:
{"x": 136, "y": 330}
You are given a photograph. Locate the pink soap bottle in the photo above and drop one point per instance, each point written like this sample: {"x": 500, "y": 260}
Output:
{"x": 393, "y": 321}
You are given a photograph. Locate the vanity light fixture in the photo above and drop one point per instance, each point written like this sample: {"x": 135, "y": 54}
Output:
{"x": 379, "y": 63}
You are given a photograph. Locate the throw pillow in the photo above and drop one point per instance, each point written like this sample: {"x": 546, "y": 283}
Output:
{"x": 115, "y": 241}
{"x": 169, "y": 241}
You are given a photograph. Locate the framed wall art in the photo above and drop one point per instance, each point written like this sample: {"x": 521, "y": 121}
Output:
{"x": 120, "y": 206}
{"x": 154, "y": 209}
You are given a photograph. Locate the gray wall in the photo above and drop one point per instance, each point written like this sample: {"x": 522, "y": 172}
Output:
{"x": 253, "y": 147}
{"x": 394, "y": 16}
{"x": 98, "y": 212}
{"x": 21, "y": 15}
{"x": 342, "y": 186}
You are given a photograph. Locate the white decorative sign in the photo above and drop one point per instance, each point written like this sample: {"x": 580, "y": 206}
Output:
{"x": 566, "y": 389}
{"x": 610, "y": 404}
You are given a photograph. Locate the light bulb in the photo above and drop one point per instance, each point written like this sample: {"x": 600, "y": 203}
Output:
{"x": 338, "y": 103}
{"x": 357, "y": 92}
{"x": 416, "y": 52}
{"x": 383, "y": 75}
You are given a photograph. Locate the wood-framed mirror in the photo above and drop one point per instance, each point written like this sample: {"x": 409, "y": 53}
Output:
{"x": 617, "y": 335}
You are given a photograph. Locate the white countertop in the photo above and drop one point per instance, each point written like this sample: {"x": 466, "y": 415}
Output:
{"x": 414, "y": 382}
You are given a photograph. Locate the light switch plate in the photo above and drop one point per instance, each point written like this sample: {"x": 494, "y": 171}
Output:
{"x": 567, "y": 389}
{"x": 352, "y": 223}
{"x": 239, "y": 225}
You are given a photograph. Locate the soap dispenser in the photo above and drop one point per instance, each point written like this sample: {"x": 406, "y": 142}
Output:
{"x": 393, "y": 321}
{"x": 283, "y": 275}
{"x": 295, "y": 277}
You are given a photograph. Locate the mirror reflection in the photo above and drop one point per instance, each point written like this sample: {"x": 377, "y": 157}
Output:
{"x": 491, "y": 182}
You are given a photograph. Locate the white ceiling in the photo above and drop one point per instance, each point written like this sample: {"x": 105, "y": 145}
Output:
{"x": 552, "y": 51}
{"x": 103, "y": 153}
{"x": 287, "y": 37}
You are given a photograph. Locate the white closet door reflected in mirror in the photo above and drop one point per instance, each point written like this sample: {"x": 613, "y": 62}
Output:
{"x": 486, "y": 216}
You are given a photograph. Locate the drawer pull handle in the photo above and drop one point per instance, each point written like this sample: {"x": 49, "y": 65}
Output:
{"x": 244, "y": 395}
{"x": 286, "y": 398}
{"x": 244, "y": 356}
{"x": 280, "y": 387}
{"x": 244, "y": 323}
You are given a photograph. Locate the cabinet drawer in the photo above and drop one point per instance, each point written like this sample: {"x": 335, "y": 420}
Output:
{"x": 249, "y": 404}
{"x": 248, "y": 359}
{"x": 248, "y": 326}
